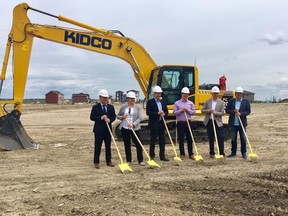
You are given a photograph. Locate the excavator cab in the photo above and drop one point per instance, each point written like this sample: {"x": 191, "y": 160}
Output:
{"x": 172, "y": 78}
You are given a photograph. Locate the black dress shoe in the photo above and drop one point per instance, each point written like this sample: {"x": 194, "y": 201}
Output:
{"x": 231, "y": 155}
{"x": 164, "y": 159}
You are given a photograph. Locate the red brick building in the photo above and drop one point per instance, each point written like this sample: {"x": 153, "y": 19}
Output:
{"x": 80, "y": 98}
{"x": 54, "y": 97}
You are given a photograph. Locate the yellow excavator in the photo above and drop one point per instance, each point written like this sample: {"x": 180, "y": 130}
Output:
{"x": 171, "y": 78}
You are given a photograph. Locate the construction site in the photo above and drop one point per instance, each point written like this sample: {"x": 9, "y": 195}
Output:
{"x": 59, "y": 178}
{"x": 46, "y": 149}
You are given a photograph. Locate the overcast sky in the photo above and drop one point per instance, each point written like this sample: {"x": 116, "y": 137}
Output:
{"x": 247, "y": 41}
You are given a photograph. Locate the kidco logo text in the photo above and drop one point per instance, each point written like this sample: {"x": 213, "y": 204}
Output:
{"x": 87, "y": 40}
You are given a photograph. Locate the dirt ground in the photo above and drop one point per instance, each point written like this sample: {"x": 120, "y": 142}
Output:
{"x": 59, "y": 178}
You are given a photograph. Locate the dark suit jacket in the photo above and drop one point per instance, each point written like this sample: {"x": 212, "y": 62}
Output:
{"x": 152, "y": 112}
{"x": 245, "y": 110}
{"x": 97, "y": 112}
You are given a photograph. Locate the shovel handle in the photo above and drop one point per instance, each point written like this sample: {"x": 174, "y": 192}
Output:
{"x": 250, "y": 147}
{"x": 176, "y": 138}
{"x": 114, "y": 142}
{"x": 215, "y": 133}
{"x": 133, "y": 131}
{"x": 150, "y": 162}
{"x": 196, "y": 150}
{"x": 168, "y": 132}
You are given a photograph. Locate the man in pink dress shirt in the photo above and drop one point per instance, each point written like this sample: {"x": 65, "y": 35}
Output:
{"x": 180, "y": 107}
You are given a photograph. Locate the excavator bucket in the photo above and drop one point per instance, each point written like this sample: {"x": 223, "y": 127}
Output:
{"x": 12, "y": 133}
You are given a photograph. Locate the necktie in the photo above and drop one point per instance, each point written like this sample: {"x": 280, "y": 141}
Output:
{"x": 104, "y": 109}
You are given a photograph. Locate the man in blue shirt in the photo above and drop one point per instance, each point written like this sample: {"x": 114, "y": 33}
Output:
{"x": 155, "y": 109}
{"x": 238, "y": 107}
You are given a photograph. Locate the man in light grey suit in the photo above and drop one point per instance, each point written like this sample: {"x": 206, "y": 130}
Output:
{"x": 214, "y": 106}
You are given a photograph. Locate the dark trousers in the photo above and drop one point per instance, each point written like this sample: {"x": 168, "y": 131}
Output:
{"x": 234, "y": 131}
{"x": 211, "y": 137}
{"x": 154, "y": 133}
{"x": 127, "y": 135}
{"x": 99, "y": 138}
{"x": 182, "y": 129}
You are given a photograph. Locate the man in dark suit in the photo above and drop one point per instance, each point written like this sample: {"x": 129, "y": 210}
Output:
{"x": 238, "y": 107}
{"x": 155, "y": 109}
{"x": 100, "y": 114}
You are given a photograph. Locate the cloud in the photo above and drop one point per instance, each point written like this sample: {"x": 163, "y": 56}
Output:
{"x": 275, "y": 88}
{"x": 274, "y": 39}
{"x": 222, "y": 45}
{"x": 281, "y": 83}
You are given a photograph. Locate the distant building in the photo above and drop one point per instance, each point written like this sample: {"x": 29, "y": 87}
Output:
{"x": 119, "y": 96}
{"x": 249, "y": 96}
{"x": 54, "y": 97}
{"x": 80, "y": 98}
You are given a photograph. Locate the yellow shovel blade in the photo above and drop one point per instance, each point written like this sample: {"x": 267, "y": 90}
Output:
{"x": 253, "y": 155}
{"x": 219, "y": 156}
{"x": 153, "y": 163}
{"x": 177, "y": 158}
{"x": 124, "y": 167}
{"x": 198, "y": 158}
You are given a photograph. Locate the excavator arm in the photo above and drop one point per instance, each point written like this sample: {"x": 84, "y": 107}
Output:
{"x": 171, "y": 78}
{"x": 89, "y": 38}
{"x": 94, "y": 39}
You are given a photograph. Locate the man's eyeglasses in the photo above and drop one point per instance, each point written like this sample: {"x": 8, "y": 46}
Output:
{"x": 129, "y": 111}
